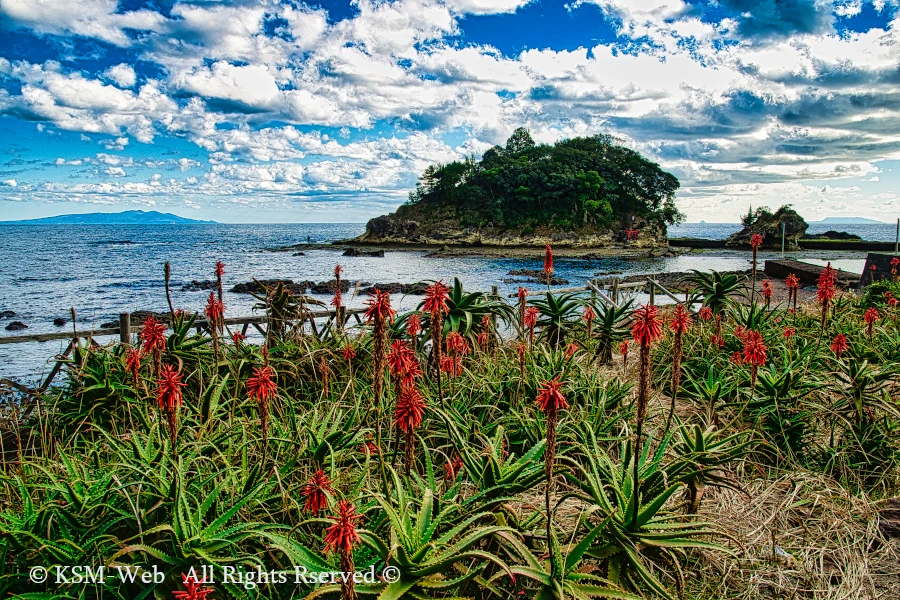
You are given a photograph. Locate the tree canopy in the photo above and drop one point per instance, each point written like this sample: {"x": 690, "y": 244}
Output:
{"x": 586, "y": 181}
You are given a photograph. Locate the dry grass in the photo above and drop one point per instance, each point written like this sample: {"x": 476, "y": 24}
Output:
{"x": 827, "y": 543}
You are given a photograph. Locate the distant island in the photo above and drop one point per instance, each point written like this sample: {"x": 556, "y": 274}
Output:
{"x": 587, "y": 192}
{"x": 848, "y": 221}
{"x": 128, "y": 217}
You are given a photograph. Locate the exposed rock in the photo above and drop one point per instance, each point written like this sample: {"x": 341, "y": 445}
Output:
{"x": 199, "y": 286}
{"x": 538, "y": 280}
{"x": 300, "y": 287}
{"x": 889, "y": 519}
{"x": 768, "y": 225}
{"x": 831, "y": 235}
{"x": 431, "y": 225}
{"x": 358, "y": 252}
{"x": 254, "y": 287}
{"x": 138, "y": 317}
{"x": 416, "y": 289}
{"x": 299, "y": 254}
{"x": 7, "y": 314}
{"x": 59, "y": 321}
{"x": 16, "y": 326}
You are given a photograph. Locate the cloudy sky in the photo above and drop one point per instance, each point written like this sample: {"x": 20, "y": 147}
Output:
{"x": 264, "y": 110}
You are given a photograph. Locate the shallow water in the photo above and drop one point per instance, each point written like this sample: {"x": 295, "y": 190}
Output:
{"x": 103, "y": 270}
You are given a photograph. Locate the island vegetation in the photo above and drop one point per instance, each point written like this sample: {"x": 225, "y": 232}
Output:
{"x": 554, "y": 447}
{"x": 589, "y": 185}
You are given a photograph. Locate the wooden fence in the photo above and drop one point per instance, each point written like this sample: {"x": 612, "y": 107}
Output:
{"x": 125, "y": 329}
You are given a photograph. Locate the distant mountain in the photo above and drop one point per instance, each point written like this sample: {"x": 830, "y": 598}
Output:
{"x": 848, "y": 221}
{"x": 128, "y": 217}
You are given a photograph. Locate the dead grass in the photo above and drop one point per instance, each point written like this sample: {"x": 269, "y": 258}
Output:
{"x": 801, "y": 536}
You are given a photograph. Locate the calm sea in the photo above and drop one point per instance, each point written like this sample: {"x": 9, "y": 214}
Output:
{"x": 102, "y": 270}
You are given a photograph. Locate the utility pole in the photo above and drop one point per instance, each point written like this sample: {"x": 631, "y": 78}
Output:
{"x": 782, "y": 240}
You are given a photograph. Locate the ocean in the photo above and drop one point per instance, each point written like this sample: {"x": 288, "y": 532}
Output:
{"x": 100, "y": 270}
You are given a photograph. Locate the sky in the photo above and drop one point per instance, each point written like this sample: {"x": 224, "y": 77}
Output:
{"x": 285, "y": 111}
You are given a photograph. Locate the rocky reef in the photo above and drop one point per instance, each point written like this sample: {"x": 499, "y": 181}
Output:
{"x": 413, "y": 225}
{"x": 768, "y": 225}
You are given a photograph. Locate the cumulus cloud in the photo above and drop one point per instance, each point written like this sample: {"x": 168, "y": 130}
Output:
{"x": 122, "y": 75}
{"x": 10, "y": 183}
{"x": 727, "y": 95}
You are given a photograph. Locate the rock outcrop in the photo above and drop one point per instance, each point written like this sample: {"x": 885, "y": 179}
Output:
{"x": 441, "y": 226}
{"x": 768, "y": 225}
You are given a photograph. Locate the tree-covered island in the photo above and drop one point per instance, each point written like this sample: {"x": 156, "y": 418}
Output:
{"x": 585, "y": 192}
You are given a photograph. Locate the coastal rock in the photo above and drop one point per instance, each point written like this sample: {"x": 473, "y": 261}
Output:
{"x": 415, "y": 289}
{"x": 358, "y": 252}
{"x": 299, "y": 254}
{"x": 768, "y": 225}
{"x": 59, "y": 321}
{"x": 832, "y": 235}
{"x": 7, "y": 314}
{"x": 299, "y": 287}
{"x": 534, "y": 276}
{"x": 138, "y": 317}
{"x": 16, "y": 326}
{"x": 199, "y": 286}
{"x": 443, "y": 226}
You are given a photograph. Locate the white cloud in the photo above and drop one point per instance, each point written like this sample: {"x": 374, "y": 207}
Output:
{"x": 89, "y": 18}
{"x": 115, "y": 171}
{"x": 122, "y": 75}
{"x": 486, "y": 7}
{"x": 11, "y": 183}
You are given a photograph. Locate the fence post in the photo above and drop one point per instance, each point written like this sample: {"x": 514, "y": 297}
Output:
{"x": 495, "y": 292}
{"x": 652, "y": 292}
{"x": 615, "y": 290}
{"x": 125, "y": 327}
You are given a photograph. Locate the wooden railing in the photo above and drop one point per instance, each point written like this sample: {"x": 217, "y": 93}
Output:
{"x": 125, "y": 329}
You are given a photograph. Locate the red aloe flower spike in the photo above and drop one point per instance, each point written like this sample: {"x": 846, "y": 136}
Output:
{"x": 645, "y": 326}
{"x": 548, "y": 263}
{"x": 407, "y": 417}
{"x": 706, "y": 313}
{"x": 414, "y": 325}
{"x": 451, "y": 365}
{"x": 133, "y": 364}
{"x": 550, "y": 400}
{"x": 194, "y": 589}
{"x": 531, "y": 319}
{"x": 840, "y": 345}
{"x": 681, "y": 319}
{"x": 789, "y": 332}
{"x": 457, "y": 344}
{"x": 792, "y": 281}
{"x": 825, "y": 288}
{"x": 349, "y": 353}
{"x": 337, "y": 301}
{"x": 571, "y": 349}
{"x": 756, "y": 240}
{"x": 410, "y": 409}
{"x": 870, "y": 317}
{"x": 316, "y": 492}
{"x": 153, "y": 338}
{"x": 220, "y": 273}
{"x": 453, "y": 468}
{"x": 436, "y": 298}
{"x": 754, "y": 353}
{"x": 588, "y": 315}
{"x": 262, "y": 387}
{"x": 169, "y": 398}
{"x": 623, "y": 350}
{"x": 402, "y": 363}
{"x": 378, "y": 306}
{"x": 369, "y": 448}
{"x": 237, "y": 338}
{"x": 736, "y": 358}
{"x": 342, "y": 537}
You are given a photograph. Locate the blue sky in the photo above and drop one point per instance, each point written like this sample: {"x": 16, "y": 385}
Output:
{"x": 277, "y": 111}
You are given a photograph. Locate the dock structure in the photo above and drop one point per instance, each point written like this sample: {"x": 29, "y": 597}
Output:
{"x": 807, "y": 273}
